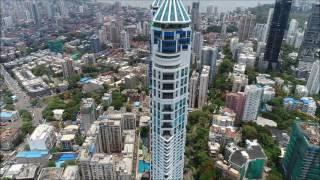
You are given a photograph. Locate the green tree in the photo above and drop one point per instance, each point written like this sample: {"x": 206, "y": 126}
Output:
{"x": 51, "y": 163}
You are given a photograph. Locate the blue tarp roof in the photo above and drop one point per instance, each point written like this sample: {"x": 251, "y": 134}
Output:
{"x": 31, "y": 154}
{"x": 5, "y": 115}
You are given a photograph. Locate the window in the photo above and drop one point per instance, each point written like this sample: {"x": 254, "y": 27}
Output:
{"x": 167, "y": 86}
{"x": 167, "y": 95}
{"x": 168, "y": 35}
{"x": 184, "y": 47}
{"x": 168, "y": 76}
{"x": 169, "y": 46}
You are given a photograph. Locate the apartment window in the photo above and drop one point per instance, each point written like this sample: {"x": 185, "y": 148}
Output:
{"x": 168, "y": 76}
{"x": 167, "y": 86}
{"x": 167, "y": 95}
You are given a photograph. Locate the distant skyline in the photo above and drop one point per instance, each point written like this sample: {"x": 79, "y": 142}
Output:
{"x": 223, "y": 5}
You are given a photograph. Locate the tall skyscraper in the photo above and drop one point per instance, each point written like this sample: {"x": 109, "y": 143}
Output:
{"x": 311, "y": 41}
{"x": 171, "y": 51}
{"x": 253, "y": 95}
{"x": 124, "y": 40}
{"x": 67, "y": 68}
{"x": 203, "y": 86}
{"x": 193, "y": 90}
{"x": 87, "y": 113}
{"x": 195, "y": 15}
{"x": 246, "y": 26}
{"x": 95, "y": 43}
{"x": 302, "y": 157}
{"x": 115, "y": 34}
{"x": 292, "y": 27}
{"x": 196, "y": 47}
{"x": 36, "y": 15}
{"x": 209, "y": 57}
{"x": 235, "y": 101}
{"x": 313, "y": 83}
{"x": 266, "y": 32}
{"x": 278, "y": 26}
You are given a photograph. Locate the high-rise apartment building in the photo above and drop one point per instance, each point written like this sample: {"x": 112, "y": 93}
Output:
{"x": 266, "y": 32}
{"x": 277, "y": 29}
{"x": 87, "y": 113}
{"x": 67, "y": 68}
{"x": 195, "y": 16}
{"x": 235, "y": 101}
{"x": 111, "y": 136}
{"x": 171, "y": 51}
{"x": 115, "y": 34}
{"x": 313, "y": 83}
{"x": 302, "y": 157}
{"x": 293, "y": 26}
{"x": 196, "y": 47}
{"x": 311, "y": 42}
{"x": 203, "y": 86}
{"x": 95, "y": 43}
{"x": 246, "y": 26}
{"x": 124, "y": 40}
{"x": 209, "y": 57}
{"x": 253, "y": 95}
{"x": 193, "y": 89}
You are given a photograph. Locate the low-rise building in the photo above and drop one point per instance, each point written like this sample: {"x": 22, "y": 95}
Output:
{"x": 41, "y": 157}
{"x": 8, "y": 116}
{"x": 304, "y": 104}
{"x": 265, "y": 79}
{"x": 57, "y": 114}
{"x": 239, "y": 82}
{"x": 9, "y": 138}
{"x": 51, "y": 173}
{"x": 107, "y": 99}
{"x": 245, "y": 163}
{"x": 71, "y": 173}
{"x": 301, "y": 91}
{"x": 22, "y": 171}
{"x": 222, "y": 129}
{"x": 42, "y": 138}
{"x": 268, "y": 93}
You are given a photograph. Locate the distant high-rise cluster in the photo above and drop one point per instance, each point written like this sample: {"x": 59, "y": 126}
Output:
{"x": 246, "y": 26}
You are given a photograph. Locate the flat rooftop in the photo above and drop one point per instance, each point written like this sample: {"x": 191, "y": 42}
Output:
{"x": 311, "y": 131}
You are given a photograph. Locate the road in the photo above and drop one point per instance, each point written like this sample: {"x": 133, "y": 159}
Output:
{"x": 23, "y": 100}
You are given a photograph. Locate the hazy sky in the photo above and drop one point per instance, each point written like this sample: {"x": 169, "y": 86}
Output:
{"x": 223, "y": 5}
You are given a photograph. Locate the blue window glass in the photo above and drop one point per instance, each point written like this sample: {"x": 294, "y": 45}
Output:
{"x": 184, "y": 47}
{"x": 169, "y": 46}
{"x": 188, "y": 33}
{"x": 168, "y": 35}
{"x": 184, "y": 41}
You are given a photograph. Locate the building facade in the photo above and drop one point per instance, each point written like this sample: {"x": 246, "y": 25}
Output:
{"x": 313, "y": 83}
{"x": 302, "y": 157}
{"x": 42, "y": 138}
{"x": 246, "y": 26}
{"x": 171, "y": 51}
{"x": 193, "y": 89}
{"x": 87, "y": 113}
{"x": 277, "y": 29}
{"x": 203, "y": 86}
{"x": 311, "y": 41}
{"x": 253, "y": 95}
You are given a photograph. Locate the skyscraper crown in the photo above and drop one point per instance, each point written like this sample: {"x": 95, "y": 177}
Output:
{"x": 171, "y": 12}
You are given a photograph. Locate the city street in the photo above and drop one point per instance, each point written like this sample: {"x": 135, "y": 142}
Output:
{"x": 23, "y": 100}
